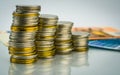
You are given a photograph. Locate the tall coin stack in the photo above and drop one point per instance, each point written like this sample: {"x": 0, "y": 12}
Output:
{"x": 46, "y": 35}
{"x": 63, "y": 40}
{"x": 80, "y": 41}
{"x": 22, "y": 36}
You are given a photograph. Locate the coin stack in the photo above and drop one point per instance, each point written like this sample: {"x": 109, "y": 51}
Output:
{"x": 80, "y": 41}
{"x": 23, "y": 32}
{"x": 63, "y": 40}
{"x": 46, "y": 35}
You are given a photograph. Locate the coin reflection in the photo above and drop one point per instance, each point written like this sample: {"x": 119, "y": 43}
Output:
{"x": 21, "y": 69}
{"x": 44, "y": 67}
{"x": 62, "y": 64}
{"x": 59, "y": 65}
{"x": 80, "y": 59}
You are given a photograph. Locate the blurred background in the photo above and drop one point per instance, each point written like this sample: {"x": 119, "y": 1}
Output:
{"x": 84, "y": 13}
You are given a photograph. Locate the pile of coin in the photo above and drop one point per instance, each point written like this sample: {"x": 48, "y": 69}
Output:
{"x": 80, "y": 41}
{"x": 63, "y": 40}
{"x": 23, "y": 32}
{"x": 46, "y": 35}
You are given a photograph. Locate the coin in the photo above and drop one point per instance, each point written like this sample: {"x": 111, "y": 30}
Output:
{"x": 46, "y": 54}
{"x": 28, "y": 8}
{"x": 21, "y": 28}
{"x": 23, "y": 61}
{"x": 25, "y": 49}
{"x": 48, "y": 19}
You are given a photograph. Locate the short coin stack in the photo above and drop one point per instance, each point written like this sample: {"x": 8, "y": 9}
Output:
{"x": 22, "y": 36}
{"x": 46, "y": 35}
{"x": 63, "y": 40}
{"x": 80, "y": 41}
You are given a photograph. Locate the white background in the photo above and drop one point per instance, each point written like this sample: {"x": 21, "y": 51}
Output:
{"x": 81, "y": 12}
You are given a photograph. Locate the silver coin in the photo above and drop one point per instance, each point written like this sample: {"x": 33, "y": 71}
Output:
{"x": 63, "y": 46}
{"x": 48, "y": 22}
{"x": 27, "y": 11}
{"x": 21, "y": 41}
{"x": 45, "y": 46}
{"x": 26, "y": 18}
{"x": 47, "y": 30}
{"x": 44, "y": 42}
{"x": 23, "y": 34}
{"x": 28, "y": 7}
{"x": 48, "y": 17}
{"x": 24, "y": 57}
{"x": 24, "y": 21}
{"x": 19, "y": 38}
{"x": 63, "y": 35}
{"x": 21, "y": 45}
{"x": 45, "y": 34}
{"x": 25, "y": 24}
{"x": 62, "y": 39}
{"x": 80, "y": 34}
{"x": 64, "y": 24}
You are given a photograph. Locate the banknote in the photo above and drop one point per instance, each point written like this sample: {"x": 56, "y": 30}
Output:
{"x": 97, "y": 33}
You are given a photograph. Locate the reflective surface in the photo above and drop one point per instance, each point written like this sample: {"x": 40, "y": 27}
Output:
{"x": 95, "y": 62}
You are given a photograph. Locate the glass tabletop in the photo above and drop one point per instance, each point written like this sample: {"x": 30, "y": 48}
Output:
{"x": 94, "y": 62}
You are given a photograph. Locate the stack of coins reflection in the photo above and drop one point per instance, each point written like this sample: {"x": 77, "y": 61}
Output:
{"x": 63, "y": 40}
{"x": 80, "y": 59}
{"x": 44, "y": 67}
{"x": 80, "y": 41}
{"x": 19, "y": 69}
{"x": 46, "y": 35}
{"x": 62, "y": 64}
{"x": 22, "y": 36}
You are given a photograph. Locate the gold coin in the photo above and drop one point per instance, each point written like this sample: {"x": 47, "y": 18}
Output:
{"x": 23, "y": 61}
{"x": 27, "y": 29}
{"x": 44, "y": 48}
{"x": 26, "y": 49}
{"x": 25, "y": 14}
{"x": 46, "y": 54}
{"x": 24, "y": 54}
{"x": 81, "y": 49}
{"x": 63, "y": 48}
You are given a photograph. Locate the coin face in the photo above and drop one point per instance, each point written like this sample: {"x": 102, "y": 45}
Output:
{"x": 65, "y": 24}
{"x": 28, "y": 8}
{"x": 80, "y": 34}
{"x": 48, "y": 17}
